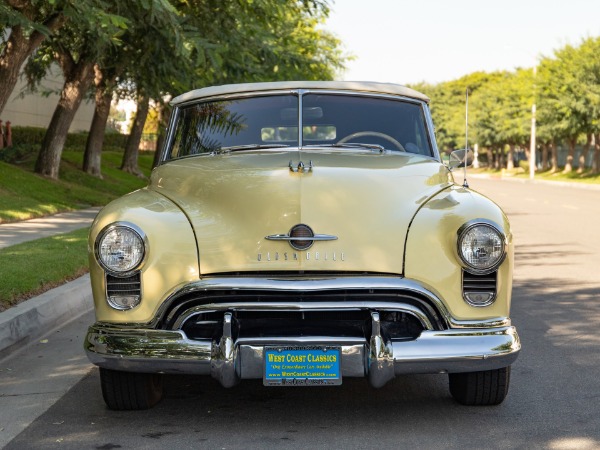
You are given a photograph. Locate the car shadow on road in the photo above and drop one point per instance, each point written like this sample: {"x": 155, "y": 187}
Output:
{"x": 552, "y": 403}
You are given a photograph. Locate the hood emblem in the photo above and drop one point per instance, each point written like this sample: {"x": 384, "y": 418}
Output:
{"x": 301, "y": 237}
{"x": 301, "y": 168}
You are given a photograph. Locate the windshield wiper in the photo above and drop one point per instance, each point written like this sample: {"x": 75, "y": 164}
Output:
{"x": 235, "y": 148}
{"x": 380, "y": 148}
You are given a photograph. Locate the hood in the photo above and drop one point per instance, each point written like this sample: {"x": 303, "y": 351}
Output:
{"x": 365, "y": 200}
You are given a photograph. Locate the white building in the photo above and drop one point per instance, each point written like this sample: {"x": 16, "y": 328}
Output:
{"x": 35, "y": 110}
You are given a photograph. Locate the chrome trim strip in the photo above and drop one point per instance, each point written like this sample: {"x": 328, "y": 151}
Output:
{"x": 431, "y": 132}
{"x": 300, "y": 120}
{"x": 158, "y": 351}
{"x": 308, "y": 306}
{"x": 287, "y": 237}
{"x": 170, "y": 136}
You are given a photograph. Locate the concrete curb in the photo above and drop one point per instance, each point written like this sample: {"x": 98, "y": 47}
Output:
{"x": 35, "y": 317}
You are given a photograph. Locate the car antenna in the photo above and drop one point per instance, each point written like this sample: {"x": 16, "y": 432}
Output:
{"x": 465, "y": 183}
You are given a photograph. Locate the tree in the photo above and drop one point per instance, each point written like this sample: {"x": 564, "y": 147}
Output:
{"x": 233, "y": 41}
{"x": 562, "y": 107}
{"x": 151, "y": 43}
{"x": 27, "y": 23}
{"x": 130, "y": 156}
{"x": 448, "y": 107}
{"x": 104, "y": 84}
{"x": 75, "y": 49}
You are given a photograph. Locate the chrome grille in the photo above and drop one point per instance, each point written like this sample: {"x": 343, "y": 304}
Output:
{"x": 131, "y": 285}
{"x": 479, "y": 290}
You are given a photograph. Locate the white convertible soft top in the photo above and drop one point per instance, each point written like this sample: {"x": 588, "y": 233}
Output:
{"x": 362, "y": 86}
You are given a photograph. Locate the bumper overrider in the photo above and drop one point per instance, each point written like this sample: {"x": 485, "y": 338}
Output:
{"x": 443, "y": 346}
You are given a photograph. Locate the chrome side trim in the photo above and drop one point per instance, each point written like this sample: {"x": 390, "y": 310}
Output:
{"x": 287, "y": 237}
{"x": 300, "y": 119}
{"x": 157, "y": 351}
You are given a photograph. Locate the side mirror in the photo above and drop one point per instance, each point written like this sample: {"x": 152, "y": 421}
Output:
{"x": 461, "y": 158}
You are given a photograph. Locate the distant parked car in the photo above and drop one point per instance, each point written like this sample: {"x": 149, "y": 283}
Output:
{"x": 302, "y": 233}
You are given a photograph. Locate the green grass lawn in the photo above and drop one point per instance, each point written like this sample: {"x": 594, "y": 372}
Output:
{"x": 33, "y": 267}
{"x": 25, "y": 195}
{"x": 586, "y": 177}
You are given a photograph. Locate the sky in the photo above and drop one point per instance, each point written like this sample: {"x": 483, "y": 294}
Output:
{"x": 406, "y": 42}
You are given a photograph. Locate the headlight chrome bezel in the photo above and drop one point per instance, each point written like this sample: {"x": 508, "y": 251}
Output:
{"x": 102, "y": 235}
{"x": 463, "y": 230}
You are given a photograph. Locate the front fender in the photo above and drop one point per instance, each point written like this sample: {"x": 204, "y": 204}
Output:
{"x": 171, "y": 255}
{"x": 431, "y": 255}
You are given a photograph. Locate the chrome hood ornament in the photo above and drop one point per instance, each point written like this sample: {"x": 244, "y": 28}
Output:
{"x": 301, "y": 237}
{"x": 301, "y": 167}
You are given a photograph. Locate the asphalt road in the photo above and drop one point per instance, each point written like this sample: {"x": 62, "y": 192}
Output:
{"x": 554, "y": 401}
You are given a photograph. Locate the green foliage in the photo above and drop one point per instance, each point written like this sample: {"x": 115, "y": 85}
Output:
{"x": 33, "y": 267}
{"x": 502, "y": 109}
{"x": 566, "y": 91}
{"x": 569, "y": 91}
{"x": 448, "y": 106}
{"x": 159, "y": 47}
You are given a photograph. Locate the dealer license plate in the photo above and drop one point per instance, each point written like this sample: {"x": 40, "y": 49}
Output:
{"x": 302, "y": 366}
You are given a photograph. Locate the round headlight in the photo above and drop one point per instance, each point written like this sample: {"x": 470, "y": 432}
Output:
{"x": 120, "y": 249}
{"x": 481, "y": 247}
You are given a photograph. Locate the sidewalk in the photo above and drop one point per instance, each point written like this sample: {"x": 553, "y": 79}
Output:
{"x": 31, "y": 319}
{"x": 28, "y": 230}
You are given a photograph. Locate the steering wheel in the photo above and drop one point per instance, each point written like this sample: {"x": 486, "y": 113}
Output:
{"x": 358, "y": 134}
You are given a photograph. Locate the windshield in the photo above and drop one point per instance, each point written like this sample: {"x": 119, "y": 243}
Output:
{"x": 272, "y": 121}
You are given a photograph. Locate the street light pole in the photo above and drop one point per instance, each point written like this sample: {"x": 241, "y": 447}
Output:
{"x": 532, "y": 145}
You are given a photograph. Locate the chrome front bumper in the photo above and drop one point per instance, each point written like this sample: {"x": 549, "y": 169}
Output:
{"x": 229, "y": 361}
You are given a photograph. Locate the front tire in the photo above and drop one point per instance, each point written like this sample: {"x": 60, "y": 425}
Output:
{"x": 485, "y": 388}
{"x": 130, "y": 390}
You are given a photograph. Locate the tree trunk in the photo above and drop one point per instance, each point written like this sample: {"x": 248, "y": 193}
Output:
{"x": 501, "y": 158}
{"x": 490, "y": 157}
{"x": 597, "y": 153}
{"x": 92, "y": 158}
{"x": 554, "y": 153}
{"x": 17, "y": 49}
{"x": 130, "y": 157}
{"x": 570, "y": 155}
{"x": 544, "y": 156}
{"x": 77, "y": 81}
{"x": 510, "y": 159}
{"x": 584, "y": 153}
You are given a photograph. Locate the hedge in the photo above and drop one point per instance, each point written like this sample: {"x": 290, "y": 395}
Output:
{"x": 75, "y": 141}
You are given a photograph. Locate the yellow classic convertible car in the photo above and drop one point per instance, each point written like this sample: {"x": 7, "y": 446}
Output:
{"x": 302, "y": 233}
